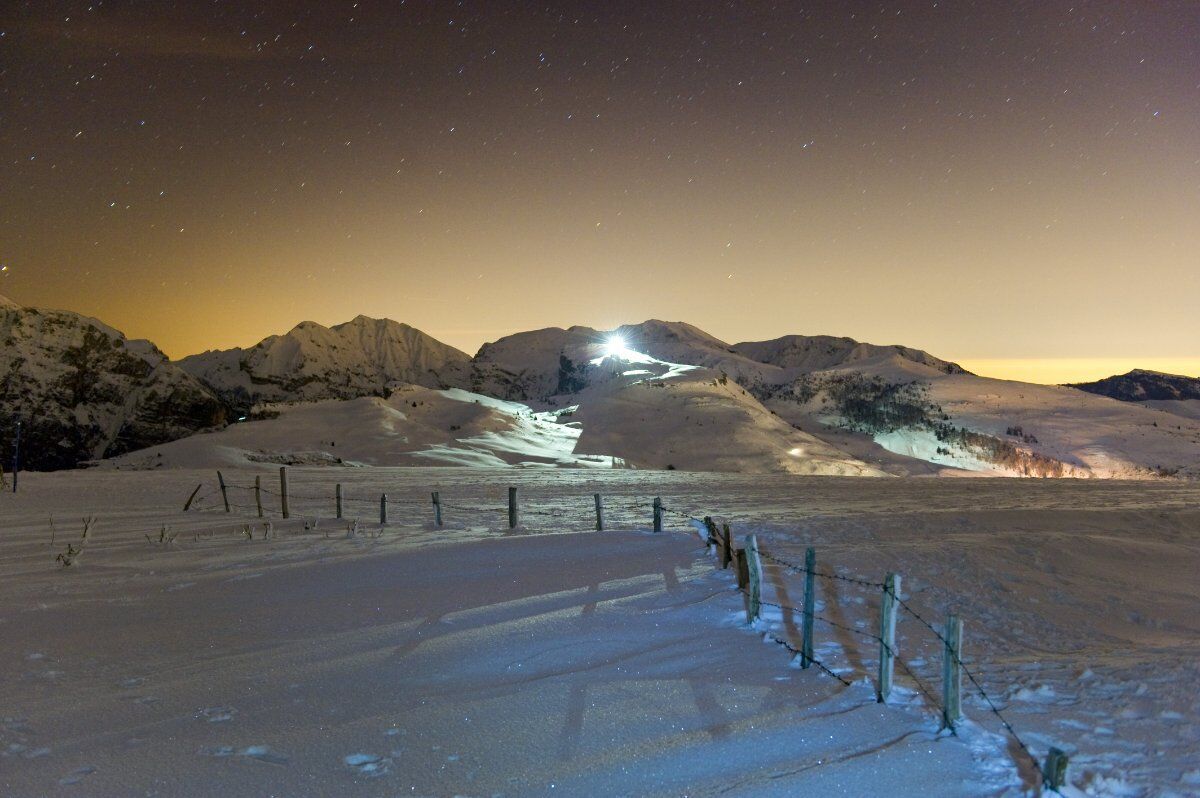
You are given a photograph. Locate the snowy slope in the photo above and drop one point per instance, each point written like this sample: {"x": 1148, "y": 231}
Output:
{"x": 468, "y": 660}
{"x": 655, "y": 395}
{"x": 1188, "y": 408}
{"x": 362, "y": 357}
{"x": 994, "y": 426}
{"x": 696, "y": 422}
{"x": 415, "y": 426}
{"x": 83, "y": 390}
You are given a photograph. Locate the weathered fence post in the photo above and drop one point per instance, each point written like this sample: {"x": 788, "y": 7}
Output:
{"x": 513, "y": 515}
{"x": 188, "y": 505}
{"x": 337, "y": 498}
{"x": 887, "y": 637}
{"x": 437, "y": 509}
{"x": 742, "y": 568}
{"x": 952, "y": 673}
{"x": 258, "y": 494}
{"x": 754, "y": 567}
{"x": 283, "y": 491}
{"x": 16, "y": 456}
{"x": 726, "y": 547}
{"x": 714, "y": 537}
{"x": 599, "y": 513}
{"x": 1054, "y": 774}
{"x": 383, "y": 508}
{"x": 224, "y": 493}
{"x": 806, "y": 641}
{"x": 658, "y": 507}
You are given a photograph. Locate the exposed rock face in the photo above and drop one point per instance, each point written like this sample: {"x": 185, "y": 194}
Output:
{"x": 1141, "y": 386}
{"x": 363, "y": 357}
{"x": 83, "y": 391}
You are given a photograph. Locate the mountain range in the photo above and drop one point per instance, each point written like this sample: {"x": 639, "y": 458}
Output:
{"x": 657, "y": 395}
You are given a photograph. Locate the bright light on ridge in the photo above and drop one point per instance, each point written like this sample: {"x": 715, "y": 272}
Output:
{"x": 615, "y": 347}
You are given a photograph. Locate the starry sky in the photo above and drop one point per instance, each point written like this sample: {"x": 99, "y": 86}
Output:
{"x": 1012, "y": 184}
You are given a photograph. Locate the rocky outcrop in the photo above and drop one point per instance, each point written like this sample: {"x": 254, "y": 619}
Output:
{"x": 83, "y": 391}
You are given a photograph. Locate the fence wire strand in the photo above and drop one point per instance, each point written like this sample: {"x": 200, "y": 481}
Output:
{"x": 208, "y": 499}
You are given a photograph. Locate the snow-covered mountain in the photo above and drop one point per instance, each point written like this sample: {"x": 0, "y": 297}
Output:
{"x": 362, "y": 357}
{"x": 963, "y": 421}
{"x": 801, "y": 354}
{"x": 83, "y": 391}
{"x": 651, "y": 395}
{"x": 1140, "y": 385}
{"x": 862, "y": 407}
{"x": 543, "y": 363}
{"x": 1172, "y": 393}
{"x": 657, "y": 395}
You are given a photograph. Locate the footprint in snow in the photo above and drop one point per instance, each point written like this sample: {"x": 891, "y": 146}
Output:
{"x": 369, "y": 765}
{"x": 217, "y": 714}
{"x": 244, "y": 577}
{"x": 77, "y": 775}
{"x": 258, "y": 753}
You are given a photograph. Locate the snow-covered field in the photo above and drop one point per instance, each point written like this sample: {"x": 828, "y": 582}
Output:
{"x": 471, "y": 660}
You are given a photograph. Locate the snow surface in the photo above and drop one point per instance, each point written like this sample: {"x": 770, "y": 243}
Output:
{"x": 414, "y": 426}
{"x": 470, "y": 660}
{"x": 1188, "y": 408}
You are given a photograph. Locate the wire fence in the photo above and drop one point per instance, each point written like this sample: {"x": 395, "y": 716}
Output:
{"x": 1052, "y": 774}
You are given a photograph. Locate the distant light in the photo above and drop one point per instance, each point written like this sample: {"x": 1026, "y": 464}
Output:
{"x": 797, "y": 452}
{"x": 615, "y": 346}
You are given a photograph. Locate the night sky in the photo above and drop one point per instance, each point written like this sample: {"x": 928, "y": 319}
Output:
{"x": 1008, "y": 184}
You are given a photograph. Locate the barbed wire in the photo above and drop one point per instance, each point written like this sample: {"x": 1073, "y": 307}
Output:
{"x": 991, "y": 705}
{"x": 822, "y": 574}
{"x": 870, "y": 636}
{"x": 207, "y": 500}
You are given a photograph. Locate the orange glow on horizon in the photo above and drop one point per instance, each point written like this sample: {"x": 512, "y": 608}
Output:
{"x": 1058, "y": 371}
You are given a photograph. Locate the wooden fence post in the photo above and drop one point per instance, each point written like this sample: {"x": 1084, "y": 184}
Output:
{"x": 806, "y": 642}
{"x": 952, "y": 673}
{"x": 337, "y": 499}
{"x": 887, "y": 637}
{"x": 383, "y": 508}
{"x": 513, "y": 516}
{"x": 224, "y": 493}
{"x": 437, "y": 509}
{"x": 258, "y": 494}
{"x": 599, "y": 513}
{"x": 188, "y": 505}
{"x": 726, "y": 546}
{"x": 1054, "y": 774}
{"x": 16, "y": 468}
{"x": 714, "y": 537}
{"x": 742, "y": 568}
{"x": 754, "y": 567}
{"x": 283, "y": 491}
{"x": 658, "y": 514}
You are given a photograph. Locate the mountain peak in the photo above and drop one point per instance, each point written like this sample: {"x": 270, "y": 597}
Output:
{"x": 361, "y": 357}
{"x": 1141, "y": 385}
